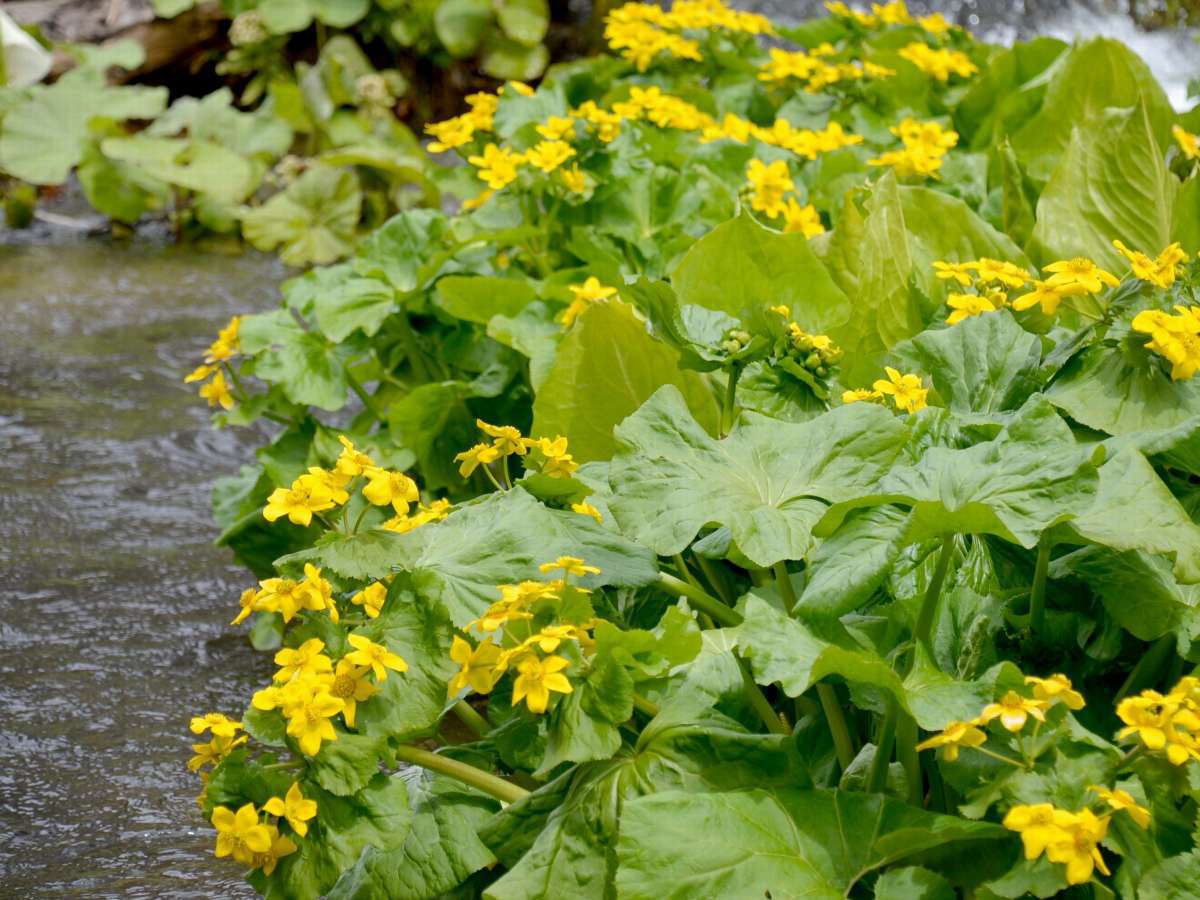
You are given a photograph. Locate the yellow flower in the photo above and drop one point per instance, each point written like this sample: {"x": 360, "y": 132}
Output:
{"x": 478, "y": 666}
{"x": 240, "y": 834}
{"x": 246, "y": 604}
{"x": 938, "y": 63}
{"x": 591, "y": 291}
{"x": 574, "y": 179}
{"x": 470, "y": 460}
{"x": 384, "y": 487}
{"x": 377, "y": 656}
{"x": 570, "y": 565}
{"x": 557, "y": 128}
{"x": 508, "y": 439}
{"x": 434, "y": 512}
{"x": 1080, "y": 271}
{"x": 476, "y": 202}
{"x": 350, "y": 685}
{"x": 213, "y": 751}
{"x": 307, "y": 659}
{"x": 281, "y": 595}
{"x": 586, "y": 509}
{"x": 537, "y": 678}
{"x": 905, "y": 390}
{"x": 483, "y": 108}
{"x": 294, "y": 807}
{"x": 1120, "y": 800}
{"x": 497, "y": 167}
{"x": 199, "y": 373}
{"x": 1140, "y": 264}
{"x": 769, "y": 183}
{"x": 995, "y": 270}
{"x": 221, "y": 725}
{"x": 308, "y": 720}
{"x": 519, "y": 87}
{"x": 1166, "y": 265}
{"x": 1079, "y": 847}
{"x": 966, "y": 306}
{"x": 1039, "y": 825}
{"x": 803, "y": 219}
{"x": 960, "y": 272}
{"x": 549, "y": 155}
{"x": 217, "y": 392}
{"x": 1056, "y": 687}
{"x": 1177, "y": 338}
{"x": 1048, "y": 295}
{"x": 1188, "y": 143}
{"x": 860, "y": 395}
{"x": 953, "y": 737}
{"x": 352, "y": 462}
{"x": 305, "y": 497}
{"x": 227, "y": 343}
{"x": 371, "y": 598}
{"x": 935, "y": 24}
{"x": 450, "y": 133}
{"x": 558, "y": 462}
{"x": 1013, "y": 711}
{"x": 280, "y": 846}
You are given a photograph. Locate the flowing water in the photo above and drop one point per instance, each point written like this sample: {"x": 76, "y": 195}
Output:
{"x": 114, "y": 603}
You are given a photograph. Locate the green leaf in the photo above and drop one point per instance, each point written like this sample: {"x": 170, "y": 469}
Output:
{"x": 313, "y": 221}
{"x": 448, "y": 564}
{"x": 509, "y": 60}
{"x": 1112, "y": 182}
{"x": 477, "y": 298}
{"x": 345, "y": 766}
{"x": 1186, "y": 227}
{"x": 742, "y": 265}
{"x": 340, "y": 13}
{"x": 576, "y": 736}
{"x": 434, "y": 423}
{"x": 310, "y": 369}
{"x": 378, "y": 816}
{"x": 1122, "y": 390}
{"x": 1030, "y": 477}
{"x": 983, "y": 364}
{"x": 781, "y": 844}
{"x": 461, "y": 24}
{"x": 341, "y": 301}
{"x": 525, "y": 21}
{"x": 846, "y": 568}
{"x": 118, "y": 190}
{"x": 768, "y": 481}
{"x": 606, "y": 368}
{"x": 558, "y": 841}
{"x": 194, "y": 165}
{"x": 913, "y": 883}
{"x": 216, "y": 120}
{"x": 286, "y": 16}
{"x": 1172, "y": 879}
{"x": 398, "y": 250}
{"x": 440, "y": 850}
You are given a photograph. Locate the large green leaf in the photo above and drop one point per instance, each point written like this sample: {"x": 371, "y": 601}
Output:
{"x": 606, "y": 367}
{"x": 845, "y": 569}
{"x": 195, "y": 165}
{"x": 310, "y": 369}
{"x": 768, "y": 481}
{"x": 440, "y": 850}
{"x": 341, "y": 301}
{"x": 477, "y": 298}
{"x": 558, "y": 841}
{"x": 313, "y": 221}
{"x": 499, "y": 539}
{"x": 779, "y": 844}
{"x": 399, "y": 251}
{"x": 215, "y": 119}
{"x": 1112, "y": 182}
{"x": 1006, "y": 93}
{"x": 1080, "y": 86}
{"x": 1031, "y": 476}
{"x": 742, "y": 265}
{"x": 984, "y": 364}
{"x": 525, "y": 21}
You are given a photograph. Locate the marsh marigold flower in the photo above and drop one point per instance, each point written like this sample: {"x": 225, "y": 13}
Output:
{"x": 367, "y": 653}
{"x": 1048, "y": 296}
{"x": 1013, "y": 711}
{"x": 478, "y": 666}
{"x": 294, "y": 807}
{"x": 569, "y": 565}
{"x": 1080, "y": 271}
{"x": 591, "y": 291}
{"x": 536, "y": 679}
{"x": 1123, "y": 801}
{"x": 1188, "y": 143}
{"x": 241, "y": 834}
{"x": 305, "y": 497}
{"x": 905, "y": 390}
{"x": 371, "y": 598}
{"x": 769, "y": 184}
{"x": 497, "y": 167}
{"x": 953, "y": 737}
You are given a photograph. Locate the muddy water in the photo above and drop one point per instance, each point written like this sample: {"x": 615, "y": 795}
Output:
{"x": 113, "y": 601}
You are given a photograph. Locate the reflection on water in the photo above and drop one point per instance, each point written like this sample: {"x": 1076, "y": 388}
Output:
{"x": 113, "y": 603}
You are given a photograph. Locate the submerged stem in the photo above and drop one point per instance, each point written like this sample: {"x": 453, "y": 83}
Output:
{"x": 504, "y": 791}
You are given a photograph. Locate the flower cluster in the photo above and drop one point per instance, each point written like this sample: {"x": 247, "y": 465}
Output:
{"x": 288, "y": 597}
{"x": 883, "y": 15}
{"x": 223, "y": 349}
{"x": 1160, "y": 271}
{"x": 508, "y": 441}
{"x": 246, "y": 838}
{"x": 815, "y": 71}
{"x": 906, "y": 390}
{"x": 769, "y": 186}
{"x": 816, "y": 353}
{"x": 641, "y": 31}
{"x": 524, "y": 632}
{"x": 939, "y": 63}
{"x": 225, "y": 739}
{"x": 310, "y": 689}
{"x": 925, "y": 144}
{"x": 1165, "y": 723}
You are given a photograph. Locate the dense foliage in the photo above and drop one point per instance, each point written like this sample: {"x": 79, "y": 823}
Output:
{"x": 779, "y": 481}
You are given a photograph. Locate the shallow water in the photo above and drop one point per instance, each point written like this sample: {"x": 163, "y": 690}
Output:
{"x": 113, "y": 602}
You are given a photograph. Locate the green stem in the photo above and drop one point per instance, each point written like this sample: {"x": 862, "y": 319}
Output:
{"x": 507, "y": 479}
{"x": 923, "y": 630}
{"x": 832, "y": 707}
{"x": 412, "y": 349}
{"x": 877, "y": 776}
{"x": 1130, "y": 757}
{"x": 906, "y": 752}
{"x": 1001, "y": 757}
{"x": 691, "y": 579}
{"x": 472, "y": 718}
{"x": 492, "y": 478}
{"x": 504, "y": 791}
{"x": 1146, "y": 671}
{"x": 783, "y": 583}
{"x": 1037, "y": 594}
{"x": 641, "y": 704}
{"x": 287, "y": 764}
{"x": 358, "y": 519}
{"x": 367, "y": 400}
{"x": 729, "y": 406}
{"x": 760, "y": 703}
{"x": 713, "y": 575}
{"x": 720, "y": 613}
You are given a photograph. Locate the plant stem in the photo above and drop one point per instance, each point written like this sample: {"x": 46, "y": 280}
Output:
{"x": 729, "y": 406}
{"x": 922, "y": 630}
{"x": 783, "y": 584}
{"x": 492, "y": 478}
{"x": 691, "y": 579}
{"x": 472, "y": 718}
{"x": 720, "y": 613}
{"x": 832, "y": 707}
{"x": 906, "y": 752}
{"x": 760, "y": 703}
{"x": 504, "y": 791}
{"x": 877, "y": 777}
{"x": 367, "y": 400}
{"x": 713, "y": 575}
{"x": 504, "y": 472}
{"x": 1037, "y": 594}
{"x": 287, "y": 764}
{"x": 358, "y": 519}
{"x": 1146, "y": 671}
{"x": 1002, "y": 758}
{"x": 641, "y": 704}
{"x": 1130, "y": 757}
